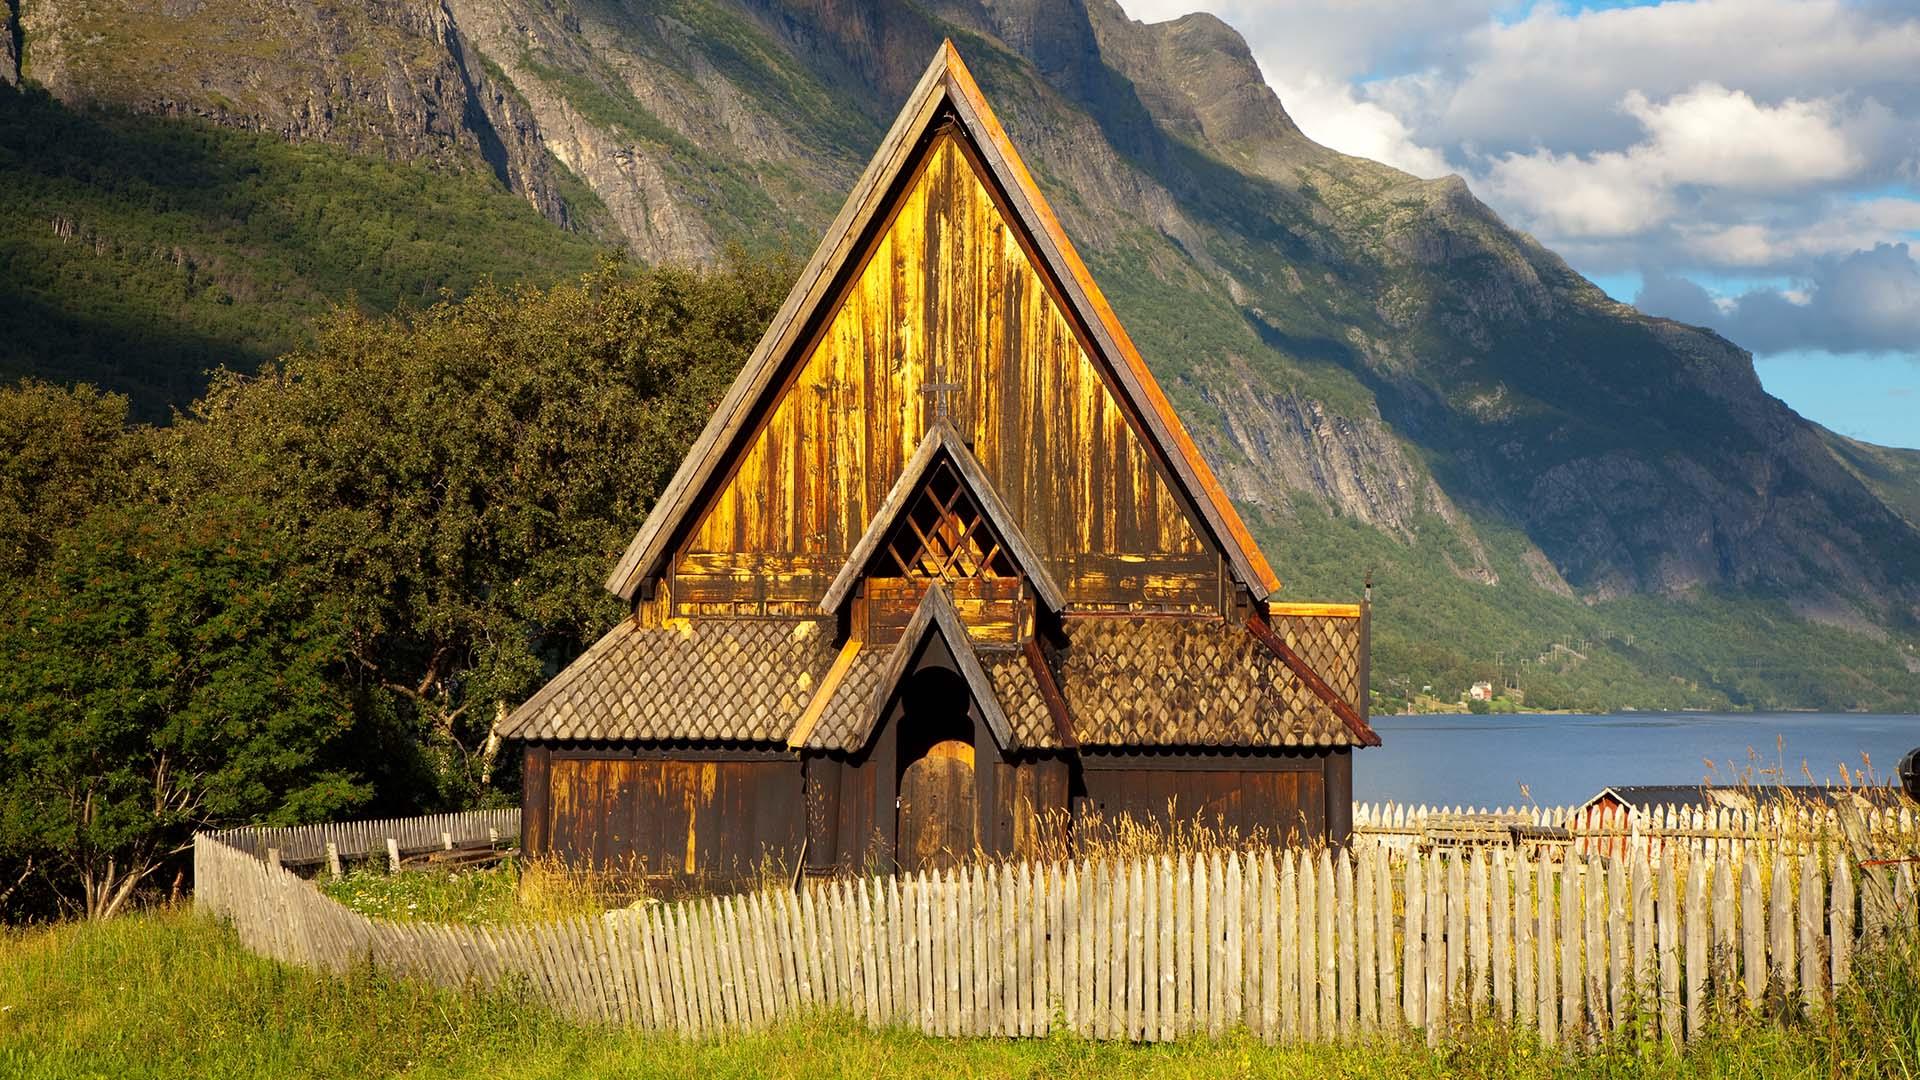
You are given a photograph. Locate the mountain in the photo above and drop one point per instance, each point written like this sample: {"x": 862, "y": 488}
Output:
{"x": 1546, "y": 485}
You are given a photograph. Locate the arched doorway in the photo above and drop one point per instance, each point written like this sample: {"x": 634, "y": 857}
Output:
{"x": 937, "y": 794}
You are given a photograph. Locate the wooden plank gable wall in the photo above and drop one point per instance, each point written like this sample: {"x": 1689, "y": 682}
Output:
{"x": 948, "y": 292}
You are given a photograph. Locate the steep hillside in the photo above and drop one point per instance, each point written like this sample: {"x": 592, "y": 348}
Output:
{"x": 1387, "y": 377}
{"x": 137, "y": 253}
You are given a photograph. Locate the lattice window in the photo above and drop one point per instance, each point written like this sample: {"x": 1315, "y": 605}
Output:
{"x": 944, "y": 535}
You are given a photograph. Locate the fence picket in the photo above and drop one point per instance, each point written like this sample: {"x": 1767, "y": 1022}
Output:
{"x": 1383, "y": 938}
{"x": 1812, "y": 938}
{"x": 1841, "y": 919}
{"x": 1784, "y": 970}
{"x": 1572, "y": 1022}
{"x": 1724, "y": 968}
{"x": 1307, "y": 908}
{"x": 1668, "y": 930}
{"x": 1525, "y": 999}
{"x": 1437, "y": 987}
{"x": 1479, "y": 978}
{"x": 1233, "y": 922}
{"x": 1165, "y": 942}
{"x": 1414, "y": 944}
{"x": 1363, "y": 927}
{"x": 1696, "y": 930}
{"x": 1753, "y": 928}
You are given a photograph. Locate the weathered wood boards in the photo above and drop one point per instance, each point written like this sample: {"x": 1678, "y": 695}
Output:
{"x": 947, "y": 293}
{"x": 1290, "y": 945}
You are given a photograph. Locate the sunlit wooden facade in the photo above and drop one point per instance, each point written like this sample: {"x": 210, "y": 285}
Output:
{"x": 944, "y": 571}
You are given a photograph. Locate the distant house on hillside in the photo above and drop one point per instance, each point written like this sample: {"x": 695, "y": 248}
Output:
{"x": 1480, "y": 691}
{"x": 944, "y": 572}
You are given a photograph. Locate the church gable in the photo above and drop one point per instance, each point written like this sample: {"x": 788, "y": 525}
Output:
{"x": 949, "y": 310}
{"x": 945, "y": 283}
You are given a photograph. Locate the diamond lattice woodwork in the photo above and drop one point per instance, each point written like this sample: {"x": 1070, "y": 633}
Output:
{"x": 944, "y": 536}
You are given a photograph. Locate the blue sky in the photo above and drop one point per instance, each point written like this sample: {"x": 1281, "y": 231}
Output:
{"x": 1748, "y": 165}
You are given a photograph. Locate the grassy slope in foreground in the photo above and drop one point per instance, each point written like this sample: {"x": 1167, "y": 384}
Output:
{"x": 170, "y": 994}
{"x": 137, "y": 252}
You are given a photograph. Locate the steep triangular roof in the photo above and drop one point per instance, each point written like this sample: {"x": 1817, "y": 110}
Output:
{"x": 942, "y": 439}
{"x": 946, "y": 88}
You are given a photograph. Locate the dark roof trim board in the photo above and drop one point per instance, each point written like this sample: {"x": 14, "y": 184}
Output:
{"x": 942, "y": 438}
{"x": 1050, "y": 693}
{"x": 936, "y": 615}
{"x": 1362, "y": 731}
{"x": 946, "y": 85}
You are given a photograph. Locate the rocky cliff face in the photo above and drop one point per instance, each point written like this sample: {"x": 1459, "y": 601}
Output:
{"x": 390, "y": 77}
{"x": 9, "y": 45}
{"x": 1339, "y": 334}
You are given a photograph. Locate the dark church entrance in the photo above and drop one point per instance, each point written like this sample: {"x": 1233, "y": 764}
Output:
{"x": 937, "y": 812}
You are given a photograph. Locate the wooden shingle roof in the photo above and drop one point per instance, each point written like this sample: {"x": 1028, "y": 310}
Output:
{"x": 1139, "y": 682}
{"x": 717, "y": 680}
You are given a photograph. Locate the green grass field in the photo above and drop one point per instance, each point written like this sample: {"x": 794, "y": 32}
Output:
{"x": 169, "y": 994}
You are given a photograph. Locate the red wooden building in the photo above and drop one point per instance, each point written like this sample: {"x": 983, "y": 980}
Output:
{"x": 944, "y": 571}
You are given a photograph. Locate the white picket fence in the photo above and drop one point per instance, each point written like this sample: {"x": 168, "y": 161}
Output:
{"x": 1613, "y": 830}
{"x": 368, "y": 839}
{"x": 1294, "y": 946}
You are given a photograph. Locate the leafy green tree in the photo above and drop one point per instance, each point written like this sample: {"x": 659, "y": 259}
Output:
{"x": 61, "y": 452}
{"x": 459, "y": 480}
{"x": 165, "y": 671}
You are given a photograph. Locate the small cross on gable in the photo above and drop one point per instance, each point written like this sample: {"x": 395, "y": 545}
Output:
{"x": 940, "y": 392}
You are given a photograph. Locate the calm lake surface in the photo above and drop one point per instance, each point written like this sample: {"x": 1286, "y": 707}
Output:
{"x": 1484, "y": 760}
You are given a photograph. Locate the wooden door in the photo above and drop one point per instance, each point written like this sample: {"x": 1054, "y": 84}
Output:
{"x": 937, "y": 808}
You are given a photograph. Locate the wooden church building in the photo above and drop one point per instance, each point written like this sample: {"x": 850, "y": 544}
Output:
{"x": 943, "y": 572}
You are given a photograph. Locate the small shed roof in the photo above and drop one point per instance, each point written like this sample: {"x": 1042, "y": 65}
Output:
{"x": 1640, "y": 797}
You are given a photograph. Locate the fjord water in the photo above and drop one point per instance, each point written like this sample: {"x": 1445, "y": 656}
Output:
{"x": 1565, "y": 759}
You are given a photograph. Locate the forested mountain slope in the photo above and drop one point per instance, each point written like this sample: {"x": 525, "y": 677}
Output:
{"x": 1386, "y": 376}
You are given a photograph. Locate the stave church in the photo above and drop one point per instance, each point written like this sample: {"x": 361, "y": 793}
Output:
{"x": 943, "y": 575}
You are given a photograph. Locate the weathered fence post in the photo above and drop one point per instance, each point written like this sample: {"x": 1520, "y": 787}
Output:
{"x": 1696, "y": 947}
{"x": 1414, "y": 980}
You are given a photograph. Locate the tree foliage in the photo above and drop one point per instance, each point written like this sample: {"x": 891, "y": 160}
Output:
{"x": 164, "y": 671}
{"x": 459, "y": 480}
{"x": 321, "y": 588}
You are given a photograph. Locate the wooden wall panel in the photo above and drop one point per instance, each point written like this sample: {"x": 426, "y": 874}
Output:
{"x": 715, "y": 819}
{"x": 948, "y": 286}
{"x": 1277, "y": 801}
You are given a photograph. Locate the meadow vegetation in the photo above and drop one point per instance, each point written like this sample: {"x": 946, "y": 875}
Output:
{"x": 515, "y": 890}
{"x": 167, "y": 993}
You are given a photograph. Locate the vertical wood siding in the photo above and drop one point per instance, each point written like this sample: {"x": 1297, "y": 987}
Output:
{"x": 719, "y": 820}
{"x": 948, "y": 285}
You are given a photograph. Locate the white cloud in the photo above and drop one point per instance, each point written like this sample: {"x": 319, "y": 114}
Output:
{"x": 1708, "y": 136}
{"x": 1713, "y": 135}
{"x": 1865, "y": 302}
{"x": 1774, "y": 140}
{"x": 1331, "y": 115}
{"x": 1602, "y": 195}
